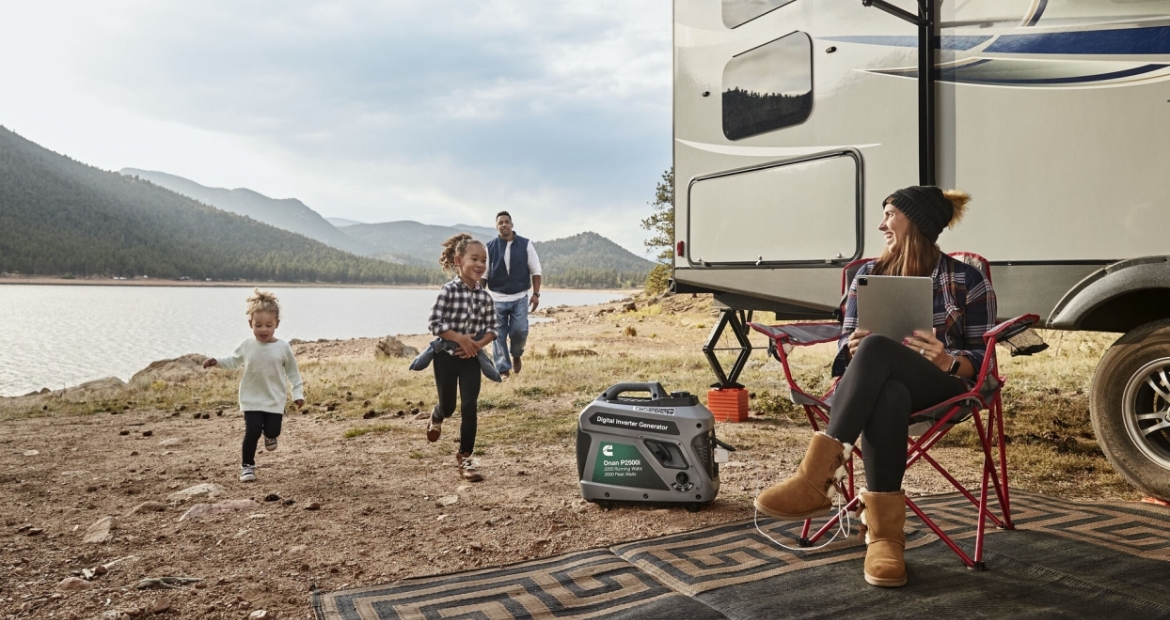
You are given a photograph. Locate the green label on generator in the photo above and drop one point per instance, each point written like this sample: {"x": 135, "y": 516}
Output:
{"x": 623, "y": 465}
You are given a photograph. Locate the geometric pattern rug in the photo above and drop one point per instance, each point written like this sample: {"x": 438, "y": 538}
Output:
{"x": 1063, "y": 560}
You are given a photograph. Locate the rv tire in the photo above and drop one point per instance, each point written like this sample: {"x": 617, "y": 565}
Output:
{"x": 1129, "y": 402}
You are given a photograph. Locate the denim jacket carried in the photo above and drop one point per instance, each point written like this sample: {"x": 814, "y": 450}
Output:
{"x": 443, "y": 345}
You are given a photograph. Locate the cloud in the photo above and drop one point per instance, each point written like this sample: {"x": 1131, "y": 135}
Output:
{"x": 439, "y": 111}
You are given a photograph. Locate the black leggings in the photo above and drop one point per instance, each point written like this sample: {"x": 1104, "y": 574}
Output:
{"x": 883, "y": 385}
{"x": 452, "y": 372}
{"x": 258, "y": 423}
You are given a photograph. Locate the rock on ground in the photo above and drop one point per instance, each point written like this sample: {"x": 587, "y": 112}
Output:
{"x": 74, "y": 584}
{"x": 176, "y": 370}
{"x": 209, "y": 489}
{"x": 99, "y": 532}
{"x": 392, "y": 347}
{"x": 232, "y": 505}
{"x": 145, "y": 507}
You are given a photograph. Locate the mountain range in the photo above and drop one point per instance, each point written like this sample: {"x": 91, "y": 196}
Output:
{"x": 586, "y": 259}
{"x": 60, "y": 217}
{"x": 287, "y": 214}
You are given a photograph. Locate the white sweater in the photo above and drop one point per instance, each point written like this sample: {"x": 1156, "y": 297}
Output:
{"x": 266, "y": 367}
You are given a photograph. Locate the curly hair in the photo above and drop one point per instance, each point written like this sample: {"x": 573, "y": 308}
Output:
{"x": 262, "y": 301}
{"x": 453, "y": 247}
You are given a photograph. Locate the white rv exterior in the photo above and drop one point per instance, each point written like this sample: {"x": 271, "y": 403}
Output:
{"x": 795, "y": 119}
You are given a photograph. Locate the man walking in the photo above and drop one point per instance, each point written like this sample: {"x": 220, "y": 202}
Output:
{"x": 513, "y": 268}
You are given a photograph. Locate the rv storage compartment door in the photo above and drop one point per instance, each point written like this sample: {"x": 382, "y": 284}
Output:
{"x": 795, "y": 211}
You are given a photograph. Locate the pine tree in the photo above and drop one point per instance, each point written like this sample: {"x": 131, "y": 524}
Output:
{"x": 661, "y": 227}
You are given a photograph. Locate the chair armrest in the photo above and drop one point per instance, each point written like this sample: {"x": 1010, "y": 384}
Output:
{"x": 1011, "y": 327}
{"x": 801, "y": 334}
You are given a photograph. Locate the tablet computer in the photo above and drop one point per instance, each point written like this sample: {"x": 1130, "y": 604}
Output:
{"x": 895, "y": 306}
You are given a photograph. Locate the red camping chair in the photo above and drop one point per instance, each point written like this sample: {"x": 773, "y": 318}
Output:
{"x": 929, "y": 426}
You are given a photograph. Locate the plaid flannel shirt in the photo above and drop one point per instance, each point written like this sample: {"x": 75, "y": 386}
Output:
{"x": 964, "y": 310}
{"x": 463, "y": 309}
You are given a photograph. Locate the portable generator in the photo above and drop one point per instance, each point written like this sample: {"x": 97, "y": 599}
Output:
{"x": 657, "y": 449}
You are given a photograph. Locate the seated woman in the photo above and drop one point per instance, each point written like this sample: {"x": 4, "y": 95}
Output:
{"x": 883, "y": 381}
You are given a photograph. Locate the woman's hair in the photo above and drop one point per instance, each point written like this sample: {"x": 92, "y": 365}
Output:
{"x": 453, "y": 247}
{"x": 917, "y": 255}
{"x": 263, "y": 301}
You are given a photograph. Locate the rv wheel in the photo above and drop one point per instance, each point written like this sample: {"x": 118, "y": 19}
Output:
{"x": 1130, "y": 407}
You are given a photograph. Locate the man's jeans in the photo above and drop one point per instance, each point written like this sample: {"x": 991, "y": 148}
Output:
{"x": 511, "y": 332}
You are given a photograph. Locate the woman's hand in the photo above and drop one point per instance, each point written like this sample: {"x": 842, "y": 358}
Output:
{"x": 209, "y": 362}
{"x": 855, "y": 340}
{"x": 925, "y": 344}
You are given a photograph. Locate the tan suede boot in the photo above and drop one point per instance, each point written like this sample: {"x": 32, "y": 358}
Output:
{"x": 882, "y": 517}
{"x": 809, "y": 492}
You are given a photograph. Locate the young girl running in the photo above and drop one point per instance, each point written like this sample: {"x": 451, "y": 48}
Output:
{"x": 464, "y": 314}
{"x": 267, "y": 363}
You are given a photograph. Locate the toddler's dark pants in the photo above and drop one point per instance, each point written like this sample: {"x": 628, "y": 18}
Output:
{"x": 258, "y": 423}
{"x": 456, "y": 372}
{"x": 885, "y": 382}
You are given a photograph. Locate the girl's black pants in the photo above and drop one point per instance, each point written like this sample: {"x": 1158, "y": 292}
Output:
{"x": 453, "y": 373}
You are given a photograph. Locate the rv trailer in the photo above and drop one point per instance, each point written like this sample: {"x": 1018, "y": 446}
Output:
{"x": 795, "y": 119}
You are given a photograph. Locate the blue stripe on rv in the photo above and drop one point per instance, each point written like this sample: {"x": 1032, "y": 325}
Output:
{"x": 955, "y": 74}
{"x": 1127, "y": 41}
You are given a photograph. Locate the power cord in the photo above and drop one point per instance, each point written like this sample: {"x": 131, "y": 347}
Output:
{"x": 844, "y": 520}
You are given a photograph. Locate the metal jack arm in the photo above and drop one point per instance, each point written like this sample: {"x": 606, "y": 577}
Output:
{"x": 926, "y": 20}
{"x": 737, "y": 320}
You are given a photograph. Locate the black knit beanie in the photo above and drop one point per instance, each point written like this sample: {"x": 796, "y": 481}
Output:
{"x": 926, "y": 206}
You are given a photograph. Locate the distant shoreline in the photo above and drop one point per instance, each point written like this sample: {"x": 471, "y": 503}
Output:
{"x": 51, "y": 281}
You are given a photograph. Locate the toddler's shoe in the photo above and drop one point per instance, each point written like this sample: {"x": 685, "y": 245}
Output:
{"x": 248, "y": 473}
{"x": 468, "y": 467}
{"x": 516, "y": 364}
{"x": 270, "y": 443}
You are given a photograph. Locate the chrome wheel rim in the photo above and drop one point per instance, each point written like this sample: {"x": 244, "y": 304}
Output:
{"x": 1146, "y": 411}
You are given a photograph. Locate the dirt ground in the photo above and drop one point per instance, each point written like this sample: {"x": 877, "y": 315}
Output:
{"x": 332, "y": 511}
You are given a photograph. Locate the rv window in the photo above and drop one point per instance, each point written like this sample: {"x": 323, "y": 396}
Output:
{"x": 739, "y": 12}
{"x": 768, "y": 88}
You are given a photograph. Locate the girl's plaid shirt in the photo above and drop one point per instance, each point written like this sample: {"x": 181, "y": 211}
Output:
{"x": 463, "y": 309}
{"x": 964, "y": 310}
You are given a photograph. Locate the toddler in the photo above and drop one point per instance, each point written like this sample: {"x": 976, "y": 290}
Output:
{"x": 268, "y": 363}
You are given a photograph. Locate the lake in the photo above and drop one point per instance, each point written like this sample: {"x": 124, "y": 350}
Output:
{"x": 58, "y": 336}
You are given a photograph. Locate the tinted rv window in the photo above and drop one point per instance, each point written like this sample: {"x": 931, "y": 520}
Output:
{"x": 768, "y": 88}
{"x": 739, "y": 12}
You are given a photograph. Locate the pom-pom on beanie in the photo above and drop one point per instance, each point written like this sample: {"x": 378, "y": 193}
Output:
{"x": 926, "y": 206}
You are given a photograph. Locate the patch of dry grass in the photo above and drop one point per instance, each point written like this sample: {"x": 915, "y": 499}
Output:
{"x": 1051, "y": 444}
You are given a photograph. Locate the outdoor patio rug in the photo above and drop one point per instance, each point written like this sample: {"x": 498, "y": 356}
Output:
{"x": 1066, "y": 560}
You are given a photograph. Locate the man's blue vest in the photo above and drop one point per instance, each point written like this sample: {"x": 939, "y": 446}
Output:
{"x": 498, "y": 278}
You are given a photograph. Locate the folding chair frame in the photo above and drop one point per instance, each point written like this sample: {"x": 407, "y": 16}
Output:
{"x": 937, "y": 422}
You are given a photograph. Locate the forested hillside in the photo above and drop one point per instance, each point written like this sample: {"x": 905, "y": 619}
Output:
{"x": 411, "y": 242}
{"x": 588, "y": 260}
{"x": 285, "y": 213}
{"x": 58, "y": 216}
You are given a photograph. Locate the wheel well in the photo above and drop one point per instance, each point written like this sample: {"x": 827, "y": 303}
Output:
{"x": 1128, "y": 310}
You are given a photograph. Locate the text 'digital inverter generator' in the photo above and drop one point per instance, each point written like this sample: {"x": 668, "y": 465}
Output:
{"x": 660, "y": 448}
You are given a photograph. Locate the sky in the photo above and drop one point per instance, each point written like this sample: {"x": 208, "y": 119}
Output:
{"x": 443, "y": 111}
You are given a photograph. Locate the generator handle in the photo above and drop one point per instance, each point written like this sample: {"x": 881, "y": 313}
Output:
{"x": 657, "y": 392}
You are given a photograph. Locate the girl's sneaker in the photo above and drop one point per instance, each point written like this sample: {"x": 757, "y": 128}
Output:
{"x": 435, "y": 425}
{"x": 248, "y": 473}
{"x": 270, "y": 443}
{"x": 468, "y": 467}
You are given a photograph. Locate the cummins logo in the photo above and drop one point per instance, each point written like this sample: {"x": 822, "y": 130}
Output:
{"x": 607, "y": 449}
